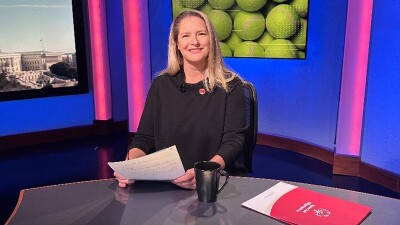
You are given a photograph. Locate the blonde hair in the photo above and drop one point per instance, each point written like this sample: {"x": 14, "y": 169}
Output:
{"x": 217, "y": 74}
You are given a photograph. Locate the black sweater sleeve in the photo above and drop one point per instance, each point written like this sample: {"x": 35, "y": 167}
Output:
{"x": 144, "y": 137}
{"x": 234, "y": 124}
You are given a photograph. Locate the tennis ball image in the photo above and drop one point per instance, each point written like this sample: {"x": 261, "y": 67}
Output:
{"x": 251, "y": 5}
{"x": 299, "y": 39}
{"x": 301, "y": 55}
{"x": 233, "y": 11}
{"x": 222, "y": 23}
{"x": 282, "y": 21}
{"x": 249, "y": 25}
{"x": 221, "y": 4}
{"x": 192, "y": 3}
{"x": 177, "y": 7}
{"x": 233, "y": 40}
{"x": 265, "y": 39}
{"x": 301, "y": 7}
{"x": 225, "y": 49}
{"x": 206, "y": 9}
{"x": 181, "y": 10}
{"x": 280, "y": 48}
{"x": 270, "y": 5}
{"x": 249, "y": 49}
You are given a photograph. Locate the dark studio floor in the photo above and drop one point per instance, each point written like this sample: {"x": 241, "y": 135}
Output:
{"x": 86, "y": 159}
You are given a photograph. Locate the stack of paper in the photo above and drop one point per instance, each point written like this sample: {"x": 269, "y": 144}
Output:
{"x": 161, "y": 165}
{"x": 296, "y": 205}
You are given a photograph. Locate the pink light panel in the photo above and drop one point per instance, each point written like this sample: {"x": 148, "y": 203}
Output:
{"x": 100, "y": 64}
{"x": 137, "y": 57}
{"x": 354, "y": 74}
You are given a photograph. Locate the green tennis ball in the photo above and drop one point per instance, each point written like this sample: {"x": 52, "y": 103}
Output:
{"x": 282, "y": 21}
{"x": 221, "y": 4}
{"x": 280, "y": 48}
{"x": 181, "y": 10}
{"x": 206, "y": 9}
{"x": 249, "y": 49}
{"x": 300, "y": 38}
{"x": 301, "y": 7}
{"x": 301, "y": 55}
{"x": 222, "y": 23}
{"x": 233, "y": 11}
{"x": 193, "y": 4}
{"x": 233, "y": 40}
{"x": 249, "y": 25}
{"x": 270, "y": 5}
{"x": 279, "y": 1}
{"x": 251, "y": 5}
{"x": 265, "y": 39}
{"x": 225, "y": 49}
{"x": 176, "y": 7}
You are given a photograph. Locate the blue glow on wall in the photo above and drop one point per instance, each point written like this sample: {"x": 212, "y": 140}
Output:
{"x": 381, "y": 131}
{"x": 159, "y": 32}
{"x": 25, "y": 116}
{"x": 116, "y": 53}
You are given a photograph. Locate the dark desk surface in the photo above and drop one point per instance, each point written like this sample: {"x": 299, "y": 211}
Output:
{"x": 103, "y": 202}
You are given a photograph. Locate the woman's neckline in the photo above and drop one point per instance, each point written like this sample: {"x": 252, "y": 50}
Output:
{"x": 197, "y": 76}
{"x": 193, "y": 84}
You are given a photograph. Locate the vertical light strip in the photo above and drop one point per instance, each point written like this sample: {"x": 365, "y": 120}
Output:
{"x": 100, "y": 64}
{"x": 137, "y": 57}
{"x": 354, "y": 74}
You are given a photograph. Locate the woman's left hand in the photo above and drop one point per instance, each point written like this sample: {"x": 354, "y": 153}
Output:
{"x": 187, "y": 180}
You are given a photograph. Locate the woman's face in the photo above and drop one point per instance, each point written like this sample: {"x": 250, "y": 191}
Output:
{"x": 193, "y": 40}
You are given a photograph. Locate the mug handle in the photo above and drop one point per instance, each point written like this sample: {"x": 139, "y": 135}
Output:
{"x": 223, "y": 172}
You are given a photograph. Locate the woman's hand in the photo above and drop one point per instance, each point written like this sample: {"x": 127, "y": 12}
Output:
{"x": 122, "y": 181}
{"x": 132, "y": 154}
{"x": 187, "y": 180}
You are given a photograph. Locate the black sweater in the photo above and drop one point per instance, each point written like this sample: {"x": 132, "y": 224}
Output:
{"x": 200, "y": 125}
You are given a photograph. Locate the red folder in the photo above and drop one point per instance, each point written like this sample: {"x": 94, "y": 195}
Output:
{"x": 296, "y": 205}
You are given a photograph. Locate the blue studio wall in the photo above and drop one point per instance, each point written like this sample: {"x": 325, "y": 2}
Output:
{"x": 33, "y": 115}
{"x": 381, "y": 132}
{"x": 116, "y": 52}
{"x": 298, "y": 99}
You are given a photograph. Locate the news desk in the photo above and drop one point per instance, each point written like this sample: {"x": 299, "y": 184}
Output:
{"x": 103, "y": 202}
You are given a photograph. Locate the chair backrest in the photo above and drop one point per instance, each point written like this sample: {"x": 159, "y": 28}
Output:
{"x": 251, "y": 101}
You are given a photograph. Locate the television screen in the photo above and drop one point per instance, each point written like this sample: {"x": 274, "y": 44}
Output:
{"x": 42, "y": 48}
{"x": 255, "y": 28}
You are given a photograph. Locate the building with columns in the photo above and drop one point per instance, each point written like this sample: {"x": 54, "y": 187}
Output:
{"x": 29, "y": 69}
{"x": 39, "y": 60}
{"x": 10, "y": 62}
{"x": 30, "y": 61}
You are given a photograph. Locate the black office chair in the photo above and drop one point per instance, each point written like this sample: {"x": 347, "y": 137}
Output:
{"x": 250, "y": 95}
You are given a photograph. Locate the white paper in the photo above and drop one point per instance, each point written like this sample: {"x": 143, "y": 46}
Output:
{"x": 161, "y": 165}
{"x": 263, "y": 202}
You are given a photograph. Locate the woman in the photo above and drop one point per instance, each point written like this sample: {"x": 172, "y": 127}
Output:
{"x": 196, "y": 103}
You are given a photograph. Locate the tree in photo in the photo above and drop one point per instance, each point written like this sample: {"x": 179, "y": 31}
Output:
{"x": 63, "y": 69}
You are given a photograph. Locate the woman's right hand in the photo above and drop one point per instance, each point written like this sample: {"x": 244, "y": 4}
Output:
{"x": 122, "y": 181}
